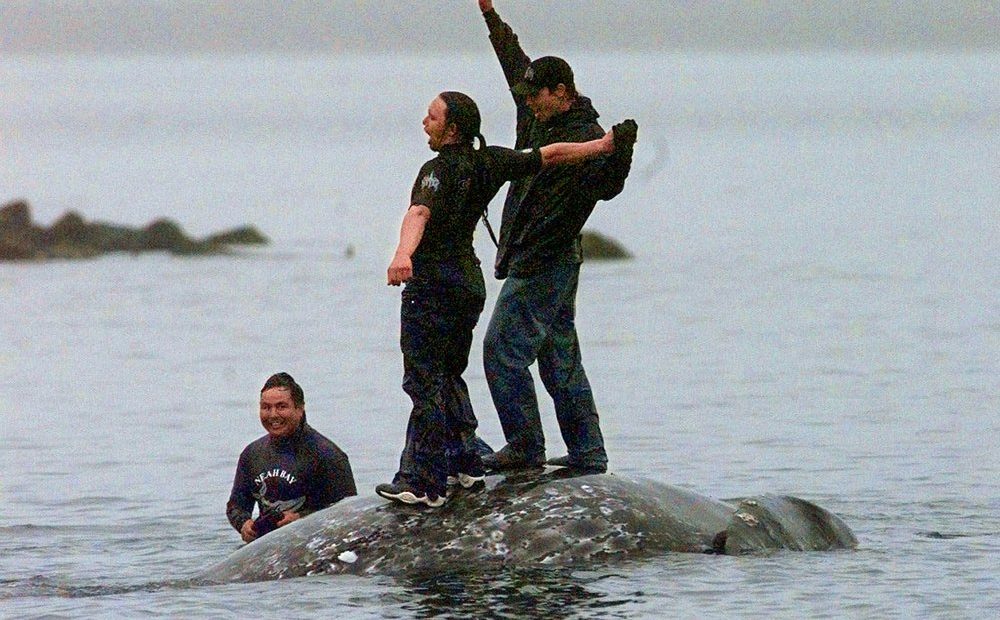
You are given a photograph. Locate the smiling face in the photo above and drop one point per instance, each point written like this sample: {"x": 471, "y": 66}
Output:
{"x": 439, "y": 131}
{"x": 279, "y": 415}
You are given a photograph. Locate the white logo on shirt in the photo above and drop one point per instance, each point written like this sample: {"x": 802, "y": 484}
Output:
{"x": 274, "y": 473}
{"x": 430, "y": 182}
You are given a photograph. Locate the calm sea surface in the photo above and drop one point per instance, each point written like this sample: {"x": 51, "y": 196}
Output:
{"x": 813, "y": 309}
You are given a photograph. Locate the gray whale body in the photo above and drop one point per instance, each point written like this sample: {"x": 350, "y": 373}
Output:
{"x": 531, "y": 519}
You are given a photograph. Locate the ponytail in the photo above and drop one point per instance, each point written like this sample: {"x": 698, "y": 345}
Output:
{"x": 464, "y": 113}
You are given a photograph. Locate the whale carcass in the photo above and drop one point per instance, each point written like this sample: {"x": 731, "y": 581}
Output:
{"x": 534, "y": 518}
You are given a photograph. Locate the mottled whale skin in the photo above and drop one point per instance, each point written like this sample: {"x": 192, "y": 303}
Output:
{"x": 531, "y": 519}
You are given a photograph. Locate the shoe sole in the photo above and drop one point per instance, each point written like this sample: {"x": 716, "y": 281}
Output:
{"x": 465, "y": 480}
{"x": 434, "y": 503}
{"x": 406, "y": 497}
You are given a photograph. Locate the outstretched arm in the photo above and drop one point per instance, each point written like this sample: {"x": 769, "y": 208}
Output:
{"x": 410, "y": 234}
{"x": 615, "y": 145}
{"x": 567, "y": 153}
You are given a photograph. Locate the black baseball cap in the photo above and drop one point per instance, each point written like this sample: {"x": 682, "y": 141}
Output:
{"x": 547, "y": 71}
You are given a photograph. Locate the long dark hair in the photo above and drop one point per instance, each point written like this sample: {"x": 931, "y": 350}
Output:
{"x": 464, "y": 113}
{"x": 461, "y": 110}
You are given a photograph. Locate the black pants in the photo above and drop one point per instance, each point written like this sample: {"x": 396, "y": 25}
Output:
{"x": 437, "y": 319}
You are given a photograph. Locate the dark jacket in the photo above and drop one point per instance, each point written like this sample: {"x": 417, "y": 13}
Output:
{"x": 544, "y": 214}
{"x": 457, "y": 186}
{"x": 305, "y": 466}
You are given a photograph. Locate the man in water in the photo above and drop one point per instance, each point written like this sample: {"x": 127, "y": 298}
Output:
{"x": 445, "y": 291}
{"x": 539, "y": 255}
{"x": 290, "y": 472}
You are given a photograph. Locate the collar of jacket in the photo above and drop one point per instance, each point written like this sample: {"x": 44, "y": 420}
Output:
{"x": 580, "y": 111}
{"x": 294, "y": 437}
{"x": 454, "y": 147}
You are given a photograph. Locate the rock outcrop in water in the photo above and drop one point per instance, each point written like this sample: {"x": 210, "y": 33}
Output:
{"x": 600, "y": 247}
{"x": 73, "y": 237}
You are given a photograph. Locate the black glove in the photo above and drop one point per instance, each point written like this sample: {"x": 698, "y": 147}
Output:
{"x": 625, "y": 134}
{"x": 274, "y": 512}
{"x": 268, "y": 520}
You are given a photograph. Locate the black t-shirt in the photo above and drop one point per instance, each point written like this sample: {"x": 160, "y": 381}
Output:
{"x": 457, "y": 186}
{"x": 305, "y": 467}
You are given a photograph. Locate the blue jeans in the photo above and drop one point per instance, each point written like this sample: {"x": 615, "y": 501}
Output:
{"x": 534, "y": 319}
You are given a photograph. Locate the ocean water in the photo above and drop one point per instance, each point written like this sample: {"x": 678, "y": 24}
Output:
{"x": 812, "y": 309}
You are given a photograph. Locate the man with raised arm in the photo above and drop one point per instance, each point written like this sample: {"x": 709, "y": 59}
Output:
{"x": 539, "y": 256}
{"x": 445, "y": 291}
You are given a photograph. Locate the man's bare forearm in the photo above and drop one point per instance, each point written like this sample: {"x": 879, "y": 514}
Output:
{"x": 567, "y": 153}
{"x": 410, "y": 233}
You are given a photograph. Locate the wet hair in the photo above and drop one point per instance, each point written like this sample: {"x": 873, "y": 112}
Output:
{"x": 285, "y": 380}
{"x": 464, "y": 113}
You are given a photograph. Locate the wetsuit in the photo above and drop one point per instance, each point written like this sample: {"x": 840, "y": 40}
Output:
{"x": 305, "y": 466}
{"x": 441, "y": 304}
{"x": 540, "y": 255}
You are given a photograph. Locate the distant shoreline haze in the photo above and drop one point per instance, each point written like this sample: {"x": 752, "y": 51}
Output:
{"x": 180, "y": 26}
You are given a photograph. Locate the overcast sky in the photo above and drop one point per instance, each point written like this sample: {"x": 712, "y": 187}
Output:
{"x": 129, "y": 26}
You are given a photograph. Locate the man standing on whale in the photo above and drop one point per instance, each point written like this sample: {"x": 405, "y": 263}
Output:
{"x": 539, "y": 255}
{"x": 445, "y": 291}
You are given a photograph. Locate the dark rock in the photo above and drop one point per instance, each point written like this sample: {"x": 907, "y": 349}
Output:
{"x": 244, "y": 235}
{"x": 19, "y": 240}
{"x": 70, "y": 237}
{"x": 19, "y": 248}
{"x": 165, "y": 234}
{"x": 68, "y": 251}
{"x": 73, "y": 237}
{"x": 15, "y": 216}
{"x": 599, "y": 247}
{"x": 69, "y": 229}
{"x": 113, "y": 238}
